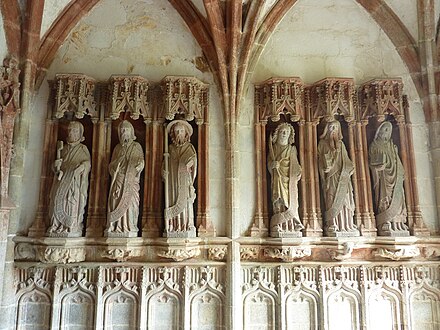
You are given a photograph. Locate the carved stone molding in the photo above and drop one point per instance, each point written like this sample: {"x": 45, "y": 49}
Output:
{"x": 380, "y": 97}
{"x": 217, "y": 253}
{"x": 407, "y": 252}
{"x": 120, "y": 254}
{"x": 249, "y": 253}
{"x": 343, "y": 252}
{"x": 60, "y": 255}
{"x": 25, "y": 251}
{"x": 287, "y": 253}
{"x": 184, "y": 95}
{"x": 130, "y": 94}
{"x": 278, "y": 96}
{"x": 202, "y": 278}
{"x": 179, "y": 253}
{"x": 333, "y": 96}
{"x": 75, "y": 93}
{"x": 9, "y": 108}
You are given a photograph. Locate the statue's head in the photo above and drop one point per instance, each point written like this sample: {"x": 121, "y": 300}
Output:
{"x": 384, "y": 131}
{"x": 284, "y": 134}
{"x": 75, "y": 132}
{"x": 126, "y": 132}
{"x": 332, "y": 131}
{"x": 180, "y": 131}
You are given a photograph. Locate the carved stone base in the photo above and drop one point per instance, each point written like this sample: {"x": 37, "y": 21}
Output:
{"x": 65, "y": 234}
{"x": 394, "y": 233}
{"x": 180, "y": 234}
{"x": 115, "y": 234}
{"x": 285, "y": 234}
{"x": 353, "y": 233}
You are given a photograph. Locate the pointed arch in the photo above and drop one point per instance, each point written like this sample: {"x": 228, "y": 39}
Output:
{"x": 59, "y": 30}
{"x": 11, "y": 13}
{"x": 399, "y": 35}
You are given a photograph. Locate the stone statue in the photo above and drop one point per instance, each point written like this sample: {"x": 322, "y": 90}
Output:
{"x": 179, "y": 173}
{"x": 388, "y": 175}
{"x": 335, "y": 169}
{"x": 125, "y": 168}
{"x": 68, "y": 195}
{"x": 285, "y": 173}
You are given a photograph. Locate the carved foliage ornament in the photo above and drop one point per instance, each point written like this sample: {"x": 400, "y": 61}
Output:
{"x": 130, "y": 94}
{"x": 75, "y": 93}
{"x": 280, "y": 96}
{"x": 184, "y": 95}
{"x": 9, "y": 107}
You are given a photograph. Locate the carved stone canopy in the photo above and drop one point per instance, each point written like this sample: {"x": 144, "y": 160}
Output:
{"x": 129, "y": 94}
{"x": 75, "y": 93}
{"x": 380, "y": 97}
{"x": 333, "y": 96}
{"x": 187, "y": 96}
{"x": 278, "y": 96}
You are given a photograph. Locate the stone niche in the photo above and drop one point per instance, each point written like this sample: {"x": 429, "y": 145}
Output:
{"x": 361, "y": 115}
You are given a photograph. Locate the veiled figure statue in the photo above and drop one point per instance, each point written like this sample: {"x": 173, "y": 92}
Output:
{"x": 68, "y": 195}
{"x": 125, "y": 169}
{"x": 388, "y": 175}
{"x": 285, "y": 173}
{"x": 180, "y": 171}
{"x": 335, "y": 169}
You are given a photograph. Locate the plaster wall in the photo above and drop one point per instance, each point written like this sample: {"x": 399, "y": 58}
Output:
{"x": 131, "y": 37}
{"x": 329, "y": 38}
{"x": 52, "y": 8}
{"x": 3, "y": 47}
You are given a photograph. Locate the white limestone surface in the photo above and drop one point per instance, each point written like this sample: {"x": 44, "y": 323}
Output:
{"x": 3, "y": 46}
{"x": 52, "y": 8}
{"x": 345, "y": 42}
{"x": 131, "y": 37}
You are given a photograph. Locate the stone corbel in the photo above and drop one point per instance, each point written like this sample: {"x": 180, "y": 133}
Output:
{"x": 129, "y": 94}
{"x": 287, "y": 253}
{"x": 407, "y": 252}
{"x": 75, "y": 93}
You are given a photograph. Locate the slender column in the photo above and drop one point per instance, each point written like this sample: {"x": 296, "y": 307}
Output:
{"x": 313, "y": 228}
{"x": 355, "y": 174}
{"x": 204, "y": 224}
{"x": 38, "y": 228}
{"x": 367, "y": 228}
{"x": 405, "y": 162}
{"x": 434, "y": 129}
{"x": 157, "y": 141}
{"x": 95, "y": 187}
{"x": 419, "y": 227}
{"x": 301, "y": 151}
{"x": 367, "y": 175}
{"x": 264, "y": 176}
{"x": 258, "y": 169}
{"x": 150, "y": 228}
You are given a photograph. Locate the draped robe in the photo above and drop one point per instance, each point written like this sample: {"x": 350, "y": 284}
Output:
{"x": 69, "y": 193}
{"x": 285, "y": 186}
{"x": 388, "y": 175}
{"x": 181, "y": 192}
{"x": 335, "y": 169}
{"x": 123, "y": 203}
